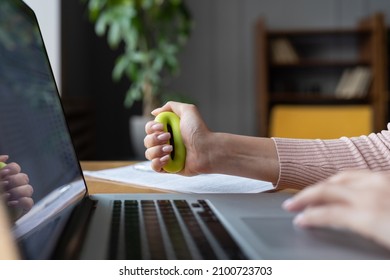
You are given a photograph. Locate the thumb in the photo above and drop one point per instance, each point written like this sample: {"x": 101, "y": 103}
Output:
{"x": 4, "y": 158}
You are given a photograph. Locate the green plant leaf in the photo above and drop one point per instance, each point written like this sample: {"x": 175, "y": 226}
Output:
{"x": 133, "y": 94}
{"x": 139, "y": 57}
{"x": 147, "y": 4}
{"x": 120, "y": 67}
{"x": 101, "y": 25}
{"x": 114, "y": 34}
{"x": 152, "y": 33}
{"x": 95, "y": 7}
{"x": 132, "y": 72}
{"x": 158, "y": 64}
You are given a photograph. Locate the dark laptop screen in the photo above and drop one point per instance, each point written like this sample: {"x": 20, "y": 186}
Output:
{"x": 33, "y": 131}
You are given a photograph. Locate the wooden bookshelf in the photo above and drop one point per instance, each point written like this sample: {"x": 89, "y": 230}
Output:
{"x": 313, "y": 73}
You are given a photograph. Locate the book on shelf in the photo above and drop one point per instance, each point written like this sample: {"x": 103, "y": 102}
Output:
{"x": 282, "y": 51}
{"x": 354, "y": 83}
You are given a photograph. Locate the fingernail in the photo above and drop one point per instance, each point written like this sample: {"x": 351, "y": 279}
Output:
{"x": 158, "y": 126}
{"x": 13, "y": 203}
{"x": 6, "y": 196}
{"x": 299, "y": 220}
{"x": 286, "y": 204}
{"x": 164, "y": 159}
{"x": 167, "y": 149}
{"x": 164, "y": 136}
{"x": 5, "y": 171}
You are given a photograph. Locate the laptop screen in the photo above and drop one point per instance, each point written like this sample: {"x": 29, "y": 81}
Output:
{"x": 33, "y": 131}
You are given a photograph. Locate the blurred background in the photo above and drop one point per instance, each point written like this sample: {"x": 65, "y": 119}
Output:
{"x": 218, "y": 65}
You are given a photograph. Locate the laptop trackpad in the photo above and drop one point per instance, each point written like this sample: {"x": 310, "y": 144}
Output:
{"x": 284, "y": 240}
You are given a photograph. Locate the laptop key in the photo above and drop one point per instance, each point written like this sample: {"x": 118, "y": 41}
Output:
{"x": 225, "y": 240}
{"x": 114, "y": 232}
{"x": 132, "y": 231}
{"x": 153, "y": 230}
{"x": 195, "y": 230}
{"x": 175, "y": 233}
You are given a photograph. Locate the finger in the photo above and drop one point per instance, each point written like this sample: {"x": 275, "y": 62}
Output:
{"x": 4, "y": 158}
{"x": 158, "y": 151}
{"x": 316, "y": 195}
{"x": 176, "y": 107}
{"x": 21, "y": 191}
{"x": 338, "y": 189}
{"x": 336, "y": 217}
{"x": 3, "y": 185}
{"x": 166, "y": 107}
{"x": 4, "y": 172}
{"x": 322, "y": 216}
{"x": 155, "y": 139}
{"x": 25, "y": 203}
{"x": 152, "y": 127}
{"x": 16, "y": 180}
{"x": 10, "y": 168}
{"x": 5, "y": 196}
{"x": 351, "y": 178}
{"x": 157, "y": 164}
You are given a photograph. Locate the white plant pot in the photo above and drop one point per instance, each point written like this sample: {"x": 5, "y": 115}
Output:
{"x": 137, "y": 135}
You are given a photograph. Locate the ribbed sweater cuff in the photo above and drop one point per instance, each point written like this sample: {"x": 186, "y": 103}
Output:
{"x": 305, "y": 162}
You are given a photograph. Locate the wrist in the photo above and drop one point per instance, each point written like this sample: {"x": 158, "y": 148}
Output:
{"x": 217, "y": 152}
{"x": 251, "y": 157}
{"x": 206, "y": 150}
{"x": 223, "y": 156}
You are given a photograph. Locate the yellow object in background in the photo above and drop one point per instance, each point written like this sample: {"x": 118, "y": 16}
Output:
{"x": 316, "y": 121}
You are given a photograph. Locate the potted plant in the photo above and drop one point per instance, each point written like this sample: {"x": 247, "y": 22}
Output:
{"x": 151, "y": 33}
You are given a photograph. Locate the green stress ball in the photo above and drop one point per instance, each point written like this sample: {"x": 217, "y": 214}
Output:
{"x": 2, "y": 164}
{"x": 171, "y": 124}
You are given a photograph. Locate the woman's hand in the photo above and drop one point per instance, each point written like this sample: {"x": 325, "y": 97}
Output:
{"x": 211, "y": 152}
{"x": 355, "y": 200}
{"x": 15, "y": 186}
{"x": 195, "y": 137}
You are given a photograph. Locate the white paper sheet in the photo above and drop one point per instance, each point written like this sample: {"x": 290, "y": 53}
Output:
{"x": 142, "y": 174}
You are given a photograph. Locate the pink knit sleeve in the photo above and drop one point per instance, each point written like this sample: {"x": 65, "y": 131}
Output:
{"x": 304, "y": 162}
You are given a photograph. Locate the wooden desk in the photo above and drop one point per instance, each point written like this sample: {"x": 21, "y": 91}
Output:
{"x": 104, "y": 186}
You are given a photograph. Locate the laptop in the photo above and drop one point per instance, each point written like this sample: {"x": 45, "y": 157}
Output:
{"x": 67, "y": 222}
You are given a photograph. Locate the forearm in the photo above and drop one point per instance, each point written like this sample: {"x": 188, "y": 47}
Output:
{"x": 295, "y": 163}
{"x": 305, "y": 162}
{"x": 251, "y": 157}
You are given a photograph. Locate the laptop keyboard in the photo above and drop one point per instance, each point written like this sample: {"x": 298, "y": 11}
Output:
{"x": 165, "y": 229}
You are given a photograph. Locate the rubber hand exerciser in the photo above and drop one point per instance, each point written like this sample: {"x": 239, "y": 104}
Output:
{"x": 171, "y": 123}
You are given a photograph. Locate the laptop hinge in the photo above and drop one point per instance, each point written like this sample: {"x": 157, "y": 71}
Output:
{"x": 74, "y": 233}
